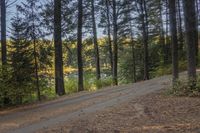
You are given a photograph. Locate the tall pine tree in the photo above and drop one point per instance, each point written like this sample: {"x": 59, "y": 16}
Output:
{"x": 21, "y": 60}
{"x": 31, "y": 16}
{"x": 79, "y": 45}
{"x": 58, "y": 49}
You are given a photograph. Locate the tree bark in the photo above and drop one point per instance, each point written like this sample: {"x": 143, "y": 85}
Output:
{"x": 59, "y": 79}
{"x": 198, "y": 12}
{"x": 197, "y": 23}
{"x": 128, "y": 15}
{"x": 109, "y": 35}
{"x": 96, "y": 46}
{"x": 35, "y": 59}
{"x": 133, "y": 58}
{"x": 167, "y": 41}
{"x": 181, "y": 40}
{"x": 173, "y": 30}
{"x": 115, "y": 45}
{"x": 191, "y": 36}
{"x": 162, "y": 32}
{"x": 79, "y": 46}
{"x": 36, "y": 71}
{"x": 3, "y": 33}
{"x": 146, "y": 47}
{"x": 145, "y": 38}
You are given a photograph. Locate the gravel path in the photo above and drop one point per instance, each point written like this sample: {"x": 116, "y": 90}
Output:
{"x": 32, "y": 118}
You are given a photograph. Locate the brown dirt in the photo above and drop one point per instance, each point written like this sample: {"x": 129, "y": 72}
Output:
{"x": 153, "y": 113}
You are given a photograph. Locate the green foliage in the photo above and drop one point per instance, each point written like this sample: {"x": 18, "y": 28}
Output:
{"x": 167, "y": 69}
{"x": 186, "y": 88}
{"x": 48, "y": 93}
{"x": 19, "y": 73}
{"x": 105, "y": 82}
{"x": 126, "y": 69}
{"x": 71, "y": 85}
{"x": 45, "y": 54}
{"x": 90, "y": 83}
{"x": 13, "y": 92}
{"x": 46, "y": 88}
{"x": 5, "y": 85}
{"x": 17, "y": 83}
{"x": 162, "y": 70}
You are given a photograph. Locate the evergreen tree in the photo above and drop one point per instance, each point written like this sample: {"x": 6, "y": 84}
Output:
{"x": 21, "y": 60}
{"x": 30, "y": 11}
{"x": 126, "y": 32}
{"x": 144, "y": 21}
{"x": 68, "y": 18}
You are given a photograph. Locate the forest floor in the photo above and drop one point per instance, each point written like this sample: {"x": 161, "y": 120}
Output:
{"x": 152, "y": 113}
{"x": 134, "y": 108}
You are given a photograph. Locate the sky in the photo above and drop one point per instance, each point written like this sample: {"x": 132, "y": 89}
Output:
{"x": 11, "y": 10}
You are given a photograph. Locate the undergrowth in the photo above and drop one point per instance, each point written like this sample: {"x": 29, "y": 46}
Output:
{"x": 185, "y": 88}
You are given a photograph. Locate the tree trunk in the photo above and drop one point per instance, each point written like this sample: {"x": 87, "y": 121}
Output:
{"x": 191, "y": 36}
{"x": 132, "y": 46}
{"x": 35, "y": 58}
{"x": 59, "y": 81}
{"x": 173, "y": 30}
{"x": 146, "y": 49}
{"x": 6, "y": 99}
{"x": 198, "y": 11}
{"x": 115, "y": 45}
{"x": 167, "y": 41}
{"x": 79, "y": 46}
{"x": 133, "y": 58}
{"x": 145, "y": 38}
{"x": 197, "y": 23}
{"x": 36, "y": 71}
{"x": 96, "y": 46}
{"x": 109, "y": 35}
{"x": 162, "y": 32}
{"x": 181, "y": 40}
{"x": 3, "y": 32}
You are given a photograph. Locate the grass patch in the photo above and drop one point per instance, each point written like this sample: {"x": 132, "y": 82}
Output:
{"x": 90, "y": 84}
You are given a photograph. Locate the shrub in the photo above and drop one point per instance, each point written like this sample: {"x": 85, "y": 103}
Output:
{"x": 167, "y": 69}
{"x": 105, "y": 82}
{"x": 186, "y": 88}
{"x": 71, "y": 85}
{"x": 90, "y": 83}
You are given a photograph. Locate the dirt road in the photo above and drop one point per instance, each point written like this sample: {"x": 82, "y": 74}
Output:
{"x": 36, "y": 117}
